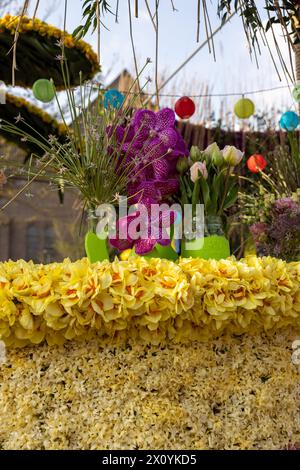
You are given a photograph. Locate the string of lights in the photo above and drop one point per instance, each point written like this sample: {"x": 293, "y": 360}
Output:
{"x": 201, "y": 95}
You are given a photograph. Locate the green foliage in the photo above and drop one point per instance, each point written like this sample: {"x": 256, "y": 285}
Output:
{"x": 89, "y": 14}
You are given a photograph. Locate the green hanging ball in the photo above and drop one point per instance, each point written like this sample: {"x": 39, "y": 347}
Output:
{"x": 296, "y": 92}
{"x": 244, "y": 108}
{"x": 43, "y": 90}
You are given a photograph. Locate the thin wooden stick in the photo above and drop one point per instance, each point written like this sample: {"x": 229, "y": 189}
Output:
{"x": 209, "y": 28}
{"x": 117, "y": 12}
{"x": 150, "y": 14}
{"x": 198, "y": 20}
{"x": 98, "y": 27}
{"x": 173, "y": 6}
{"x": 133, "y": 49}
{"x": 136, "y": 13}
{"x": 16, "y": 37}
{"x": 35, "y": 10}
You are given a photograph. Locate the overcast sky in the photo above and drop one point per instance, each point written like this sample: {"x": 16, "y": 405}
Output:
{"x": 233, "y": 70}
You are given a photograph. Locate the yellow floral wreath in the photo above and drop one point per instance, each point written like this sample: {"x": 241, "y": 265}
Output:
{"x": 19, "y": 102}
{"x": 43, "y": 30}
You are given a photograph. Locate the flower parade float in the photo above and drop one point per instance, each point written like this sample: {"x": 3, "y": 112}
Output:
{"x": 157, "y": 347}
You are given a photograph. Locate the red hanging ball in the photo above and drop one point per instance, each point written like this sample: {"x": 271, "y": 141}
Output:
{"x": 185, "y": 107}
{"x": 256, "y": 163}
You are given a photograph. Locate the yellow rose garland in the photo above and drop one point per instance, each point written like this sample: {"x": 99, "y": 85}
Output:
{"x": 152, "y": 301}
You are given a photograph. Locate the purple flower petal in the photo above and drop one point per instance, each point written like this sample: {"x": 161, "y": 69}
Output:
{"x": 164, "y": 118}
{"x": 164, "y": 241}
{"x": 143, "y": 118}
{"x": 122, "y": 241}
{"x": 167, "y": 188}
{"x": 142, "y": 247}
{"x": 160, "y": 169}
{"x": 167, "y": 137}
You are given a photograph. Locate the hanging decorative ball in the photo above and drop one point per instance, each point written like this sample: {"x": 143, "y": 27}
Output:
{"x": 244, "y": 108}
{"x": 289, "y": 121}
{"x": 185, "y": 107}
{"x": 113, "y": 99}
{"x": 43, "y": 90}
{"x": 296, "y": 92}
{"x": 256, "y": 163}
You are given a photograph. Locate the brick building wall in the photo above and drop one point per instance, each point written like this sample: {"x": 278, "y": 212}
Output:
{"x": 36, "y": 226}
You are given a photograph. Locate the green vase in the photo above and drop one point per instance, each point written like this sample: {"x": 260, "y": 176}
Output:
{"x": 213, "y": 245}
{"x": 96, "y": 247}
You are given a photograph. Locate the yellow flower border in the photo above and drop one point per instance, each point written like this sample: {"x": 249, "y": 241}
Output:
{"x": 152, "y": 301}
{"x": 10, "y": 22}
{"x": 19, "y": 102}
{"x": 237, "y": 393}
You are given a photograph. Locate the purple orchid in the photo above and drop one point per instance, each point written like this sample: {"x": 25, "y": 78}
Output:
{"x": 143, "y": 229}
{"x": 154, "y": 142}
{"x": 152, "y": 145}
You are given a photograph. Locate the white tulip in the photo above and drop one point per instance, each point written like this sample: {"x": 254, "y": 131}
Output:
{"x": 232, "y": 155}
{"x": 212, "y": 149}
{"x": 196, "y": 168}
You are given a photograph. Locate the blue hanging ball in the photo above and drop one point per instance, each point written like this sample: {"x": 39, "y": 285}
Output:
{"x": 289, "y": 121}
{"x": 113, "y": 99}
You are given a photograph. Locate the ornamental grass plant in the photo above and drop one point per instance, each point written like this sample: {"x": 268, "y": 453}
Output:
{"x": 91, "y": 157}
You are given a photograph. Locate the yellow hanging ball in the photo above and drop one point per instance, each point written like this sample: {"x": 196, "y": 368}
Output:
{"x": 43, "y": 90}
{"x": 244, "y": 108}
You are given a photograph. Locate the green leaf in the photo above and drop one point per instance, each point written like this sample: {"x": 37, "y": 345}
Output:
{"x": 231, "y": 197}
{"x": 188, "y": 188}
{"x": 196, "y": 193}
{"x": 184, "y": 198}
{"x": 205, "y": 192}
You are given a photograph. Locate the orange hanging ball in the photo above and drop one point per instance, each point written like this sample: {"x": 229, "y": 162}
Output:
{"x": 185, "y": 107}
{"x": 256, "y": 163}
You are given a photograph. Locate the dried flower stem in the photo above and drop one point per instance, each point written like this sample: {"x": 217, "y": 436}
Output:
{"x": 16, "y": 37}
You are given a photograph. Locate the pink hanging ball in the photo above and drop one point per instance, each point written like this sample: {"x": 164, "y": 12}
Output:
{"x": 185, "y": 107}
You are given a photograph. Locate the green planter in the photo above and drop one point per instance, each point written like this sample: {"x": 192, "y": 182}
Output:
{"x": 211, "y": 247}
{"x": 96, "y": 248}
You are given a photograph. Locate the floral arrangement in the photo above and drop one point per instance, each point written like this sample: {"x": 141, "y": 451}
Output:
{"x": 208, "y": 177}
{"x": 153, "y": 301}
{"x": 278, "y": 232}
{"x": 272, "y": 208}
{"x": 44, "y": 41}
{"x": 152, "y": 146}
